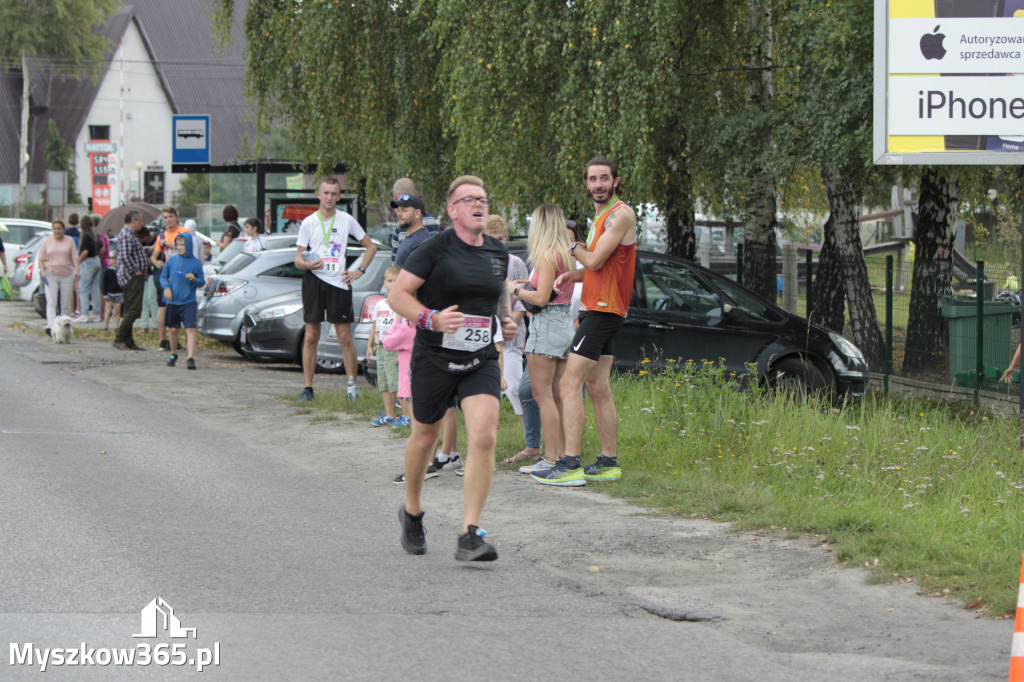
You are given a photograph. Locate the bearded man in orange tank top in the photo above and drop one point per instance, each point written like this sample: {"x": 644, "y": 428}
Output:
{"x": 609, "y": 264}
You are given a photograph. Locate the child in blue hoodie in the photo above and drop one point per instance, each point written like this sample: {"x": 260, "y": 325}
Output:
{"x": 180, "y": 277}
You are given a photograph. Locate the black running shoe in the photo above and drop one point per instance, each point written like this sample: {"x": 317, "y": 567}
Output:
{"x": 414, "y": 535}
{"x": 190, "y": 364}
{"x": 165, "y": 345}
{"x": 472, "y": 546}
{"x": 171, "y": 360}
{"x": 431, "y": 473}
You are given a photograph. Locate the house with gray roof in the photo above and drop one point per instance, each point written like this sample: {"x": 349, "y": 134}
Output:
{"x": 163, "y": 60}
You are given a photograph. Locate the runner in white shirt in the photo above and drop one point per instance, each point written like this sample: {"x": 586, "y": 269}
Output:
{"x": 326, "y": 291}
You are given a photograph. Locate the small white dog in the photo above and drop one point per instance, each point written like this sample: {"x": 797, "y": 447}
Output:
{"x": 61, "y": 331}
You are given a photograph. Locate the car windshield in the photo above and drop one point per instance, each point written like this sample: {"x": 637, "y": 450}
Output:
{"x": 673, "y": 288}
{"x": 33, "y": 244}
{"x": 229, "y": 252}
{"x": 374, "y": 274}
{"x": 239, "y": 262}
{"x": 747, "y": 302}
{"x": 18, "y": 234}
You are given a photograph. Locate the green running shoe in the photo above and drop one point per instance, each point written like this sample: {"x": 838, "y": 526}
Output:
{"x": 604, "y": 469}
{"x": 562, "y": 474}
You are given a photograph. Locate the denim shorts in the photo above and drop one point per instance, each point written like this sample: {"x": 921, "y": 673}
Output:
{"x": 551, "y": 331}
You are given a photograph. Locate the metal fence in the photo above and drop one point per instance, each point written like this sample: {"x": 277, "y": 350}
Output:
{"x": 972, "y": 332}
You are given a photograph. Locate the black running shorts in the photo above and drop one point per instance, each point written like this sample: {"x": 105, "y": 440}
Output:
{"x": 596, "y": 334}
{"x": 435, "y": 387}
{"x": 322, "y": 301}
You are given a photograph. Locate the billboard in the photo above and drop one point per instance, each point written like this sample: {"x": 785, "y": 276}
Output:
{"x": 949, "y": 82}
{"x": 285, "y": 215}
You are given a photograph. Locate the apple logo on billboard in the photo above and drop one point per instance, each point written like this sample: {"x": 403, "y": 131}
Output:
{"x": 931, "y": 45}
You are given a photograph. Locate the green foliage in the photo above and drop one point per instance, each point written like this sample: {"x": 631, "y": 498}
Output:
{"x": 61, "y": 157}
{"x": 58, "y": 30}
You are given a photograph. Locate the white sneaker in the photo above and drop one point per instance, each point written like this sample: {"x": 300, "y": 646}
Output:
{"x": 540, "y": 465}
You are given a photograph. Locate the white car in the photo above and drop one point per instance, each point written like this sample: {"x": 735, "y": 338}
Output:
{"x": 15, "y": 233}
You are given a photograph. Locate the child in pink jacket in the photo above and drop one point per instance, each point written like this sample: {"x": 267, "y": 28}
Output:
{"x": 400, "y": 338}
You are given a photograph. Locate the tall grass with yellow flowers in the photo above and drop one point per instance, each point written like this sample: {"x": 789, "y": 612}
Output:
{"x": 912, "y": 489}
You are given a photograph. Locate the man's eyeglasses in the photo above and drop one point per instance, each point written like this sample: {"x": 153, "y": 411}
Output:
{"x": 472, "y": 201}
{"x": 405, "y": 197}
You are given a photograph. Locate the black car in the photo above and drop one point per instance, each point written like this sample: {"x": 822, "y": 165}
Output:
{"x": 681, "y": 311}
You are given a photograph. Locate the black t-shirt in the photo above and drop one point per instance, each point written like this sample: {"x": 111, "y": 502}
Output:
{"x": 232, "y": 231}
{"x": 108, "y": 282}
{"x": 90, "y": 243}
{"x": 455, "y": 273}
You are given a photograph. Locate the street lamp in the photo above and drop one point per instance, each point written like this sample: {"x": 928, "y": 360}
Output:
{"x": 139, "y": 166}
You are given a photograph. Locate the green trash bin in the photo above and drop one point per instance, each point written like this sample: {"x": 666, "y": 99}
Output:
{"x": 997, "y": 333}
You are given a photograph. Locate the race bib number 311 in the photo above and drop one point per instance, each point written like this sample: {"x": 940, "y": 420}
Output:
{"x": 474, "y": 334}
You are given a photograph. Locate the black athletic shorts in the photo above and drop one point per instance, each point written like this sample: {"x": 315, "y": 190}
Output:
{"x": 435, "y": 388}
{"x": 596, "y": 334}
{"x": 322, "y": 301}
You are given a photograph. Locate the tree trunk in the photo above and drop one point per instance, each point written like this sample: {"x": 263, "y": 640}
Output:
{"x": 829, "y": 302}
{"x": 679, "y": 209}
{"x": 843, "y": 200}
{"x": 933, "y": 269}
{"x": 759, "y": 248}
{"x": 21, "y": 210}
{"x": 759, "y": 231}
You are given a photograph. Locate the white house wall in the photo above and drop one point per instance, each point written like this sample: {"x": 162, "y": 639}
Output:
{"x": 145, "y": 132}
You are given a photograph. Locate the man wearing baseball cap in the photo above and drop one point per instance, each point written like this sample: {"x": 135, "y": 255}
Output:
{"x": 409, "y": 209}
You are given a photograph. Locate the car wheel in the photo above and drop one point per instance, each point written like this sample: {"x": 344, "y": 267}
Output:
{"x": 326, "y": 366}
{"x": 298, "y": 351}
{"x": 798, "y": 378}
{"x": 39, "y": 303}
{"x": 237, "y": 344}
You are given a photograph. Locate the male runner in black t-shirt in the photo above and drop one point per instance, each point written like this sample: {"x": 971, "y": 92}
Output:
{"x": 452, "y": 286}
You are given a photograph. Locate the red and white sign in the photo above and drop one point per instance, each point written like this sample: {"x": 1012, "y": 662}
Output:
{"x": 103, "y": 174}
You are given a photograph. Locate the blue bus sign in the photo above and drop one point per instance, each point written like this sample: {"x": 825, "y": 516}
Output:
{"x": 191, "y": 139}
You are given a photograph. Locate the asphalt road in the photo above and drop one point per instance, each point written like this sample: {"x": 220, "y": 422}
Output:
{"x": 276, "y": 538}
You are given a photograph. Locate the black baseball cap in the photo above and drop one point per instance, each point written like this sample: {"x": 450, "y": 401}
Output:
{"x": 408, "y": 200}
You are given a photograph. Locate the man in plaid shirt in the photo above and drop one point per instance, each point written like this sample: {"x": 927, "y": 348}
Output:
{"x": 132, "y": 268}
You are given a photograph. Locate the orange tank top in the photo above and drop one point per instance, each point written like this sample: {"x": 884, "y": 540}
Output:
{"x": 609, "y": 289}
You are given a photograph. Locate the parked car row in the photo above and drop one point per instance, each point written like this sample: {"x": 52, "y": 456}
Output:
{"x": 273, "y": 330}
{"x": 254, "y": 302}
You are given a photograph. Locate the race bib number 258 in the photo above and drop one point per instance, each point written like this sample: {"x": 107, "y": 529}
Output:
{"x": 474, "y": 334}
